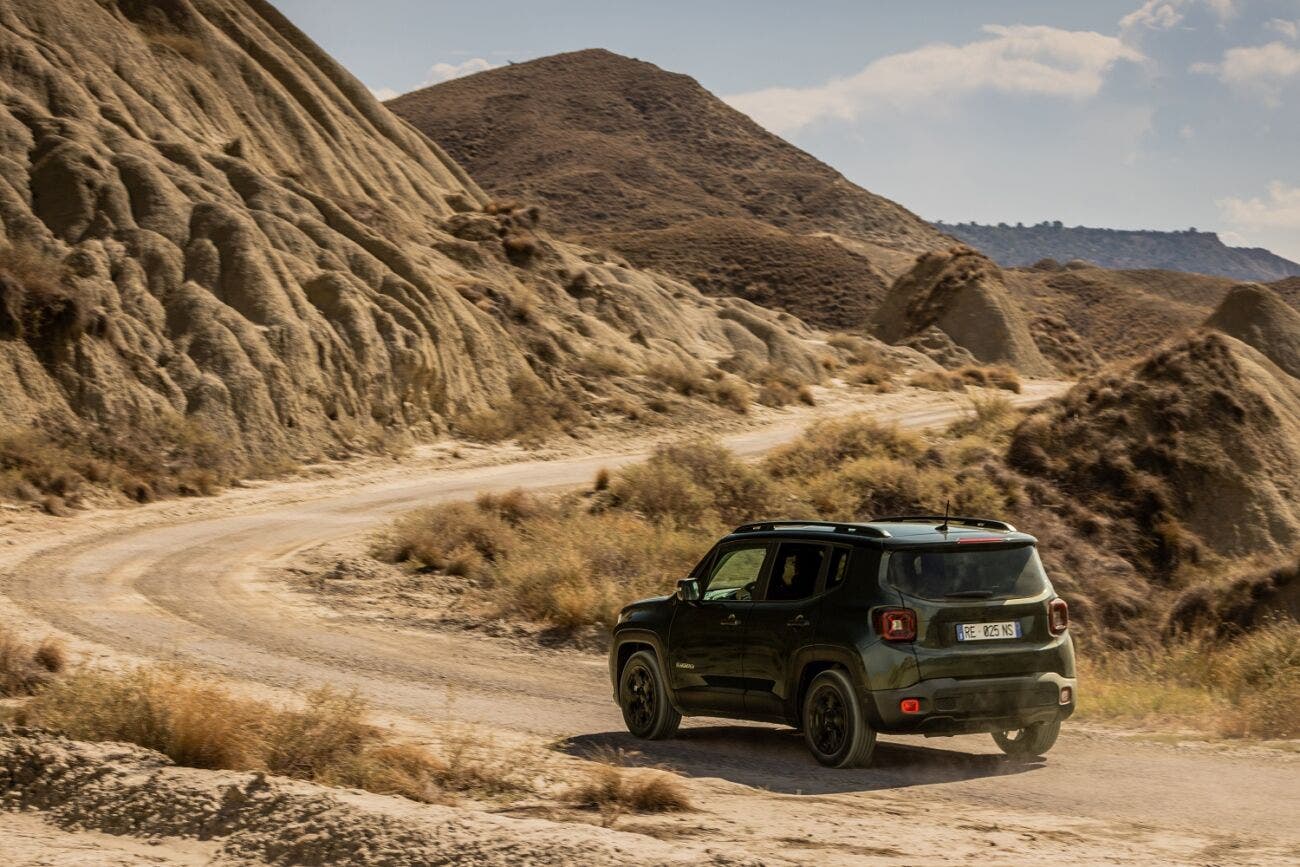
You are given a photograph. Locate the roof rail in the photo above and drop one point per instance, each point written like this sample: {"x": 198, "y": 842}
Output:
{"x": 982, "y": 523}
{"x": 837, "y": 526}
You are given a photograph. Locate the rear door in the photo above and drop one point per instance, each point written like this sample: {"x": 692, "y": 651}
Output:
{"x": 707, "y": 643}
{"x": 784, "y": 619}
{"x": 982, "y": 610}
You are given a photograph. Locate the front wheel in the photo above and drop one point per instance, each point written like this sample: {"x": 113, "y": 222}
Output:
{"x": 1028, "y": 742}
{"x": 834, "y": 728}
{"x": 646, "y": 710}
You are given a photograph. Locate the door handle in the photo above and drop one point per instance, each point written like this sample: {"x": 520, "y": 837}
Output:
{"x": 799, "y": 620}
{"x": 730, "y": 620}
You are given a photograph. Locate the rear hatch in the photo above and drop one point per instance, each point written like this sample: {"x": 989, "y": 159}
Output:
{"x": 982, "y": 609}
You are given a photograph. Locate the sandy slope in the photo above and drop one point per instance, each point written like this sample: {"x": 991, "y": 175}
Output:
{"x": 186, "y": 582}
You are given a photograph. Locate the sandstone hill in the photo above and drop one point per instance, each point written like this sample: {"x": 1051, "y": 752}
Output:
{"x": 1191, "y": 251}
{"x": 1116, "y": 314}
{"x": 955, "y": 304}
{"x": 621, "y": 149}
{"x": 208, "y": 229}
{"x": 1190, "y": 451}
{"x": 1255, "y": 315}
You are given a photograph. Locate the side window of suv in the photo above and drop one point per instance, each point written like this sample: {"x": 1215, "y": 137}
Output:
{"x": 839, "y": 568}
{"x": 735, "y": 573}
{"x": 794, "y": 574}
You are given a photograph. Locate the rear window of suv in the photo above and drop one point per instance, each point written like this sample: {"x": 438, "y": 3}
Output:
{"x": 978, "y": 573}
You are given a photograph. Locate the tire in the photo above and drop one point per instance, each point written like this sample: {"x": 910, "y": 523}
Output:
{"x": 1030, "y": 742}
{"x": 647, "y": 713}
{"x": 834, "y": 727}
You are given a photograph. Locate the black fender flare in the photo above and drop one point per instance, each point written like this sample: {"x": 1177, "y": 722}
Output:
{"x": 817, "y": 654}
{"x": 648, "y": 637}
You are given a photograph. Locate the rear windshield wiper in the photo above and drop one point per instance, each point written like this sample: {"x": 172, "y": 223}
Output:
{"x": 969, "y": 594}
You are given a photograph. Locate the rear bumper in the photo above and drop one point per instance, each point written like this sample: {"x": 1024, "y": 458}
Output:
{"x": 951, "y": 706}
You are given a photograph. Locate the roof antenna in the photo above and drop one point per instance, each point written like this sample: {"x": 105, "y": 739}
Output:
{"x": 943, "y": 528}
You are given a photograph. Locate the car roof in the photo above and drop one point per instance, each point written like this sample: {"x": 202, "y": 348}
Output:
{"x": 903, "y": 531}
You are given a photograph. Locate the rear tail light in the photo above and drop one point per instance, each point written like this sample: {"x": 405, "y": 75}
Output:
{"x": 1058, "y": 616}
{"x": 910, "y": 705}
{"x": 896, "y": 624}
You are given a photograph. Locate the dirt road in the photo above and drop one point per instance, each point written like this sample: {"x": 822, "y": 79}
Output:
{"x": 186, "y": 582}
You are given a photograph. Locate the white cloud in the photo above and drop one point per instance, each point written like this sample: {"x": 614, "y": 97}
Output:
{"x": 1261, "y": 68}
{"x": 1016, "y": 59}
{"x": 1278, "y": 209}
{"x": 441, "y": 72}
{"x": 1154, "y": 15}
{"x": 383, "y": 94}
{"x": 1289, "y": 29}
{"x": 1168, "y": 14}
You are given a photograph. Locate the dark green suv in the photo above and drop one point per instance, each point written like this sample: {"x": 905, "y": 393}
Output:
{"x": 928, "y": 625}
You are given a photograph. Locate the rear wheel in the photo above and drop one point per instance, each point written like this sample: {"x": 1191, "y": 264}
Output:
{"x": 834, "y": 728}
{"x": 1028, "y": 742}
{"x": 646, "y": 710}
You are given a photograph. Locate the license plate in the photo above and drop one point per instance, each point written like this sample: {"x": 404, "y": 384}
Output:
{"x": 988, "y": 631}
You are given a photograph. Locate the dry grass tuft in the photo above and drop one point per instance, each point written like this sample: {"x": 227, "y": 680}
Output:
{"x": 328, "y": 739}
{"x": 615, "y": 790}
{"x": 992, "y": 376}
{"x": 1246, "y": 688}
{"x": 870, "y": 373}
{"x": 25, "y": 669}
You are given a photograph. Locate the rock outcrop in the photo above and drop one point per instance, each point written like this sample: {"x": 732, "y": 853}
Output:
{"x": 961, "y": 294}
{"x": 206, "y": 222}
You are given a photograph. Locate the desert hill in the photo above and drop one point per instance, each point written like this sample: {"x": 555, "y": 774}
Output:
{"x": 1191, "y": 450}
{"x": 1255, "y": 315}
{"x": 213, "y": 235}
{"x": 1117, "y": 314}
{"x": 1191, "y": 251}
{"x": 959, "y": 296}
{"x": 613, "y": 147}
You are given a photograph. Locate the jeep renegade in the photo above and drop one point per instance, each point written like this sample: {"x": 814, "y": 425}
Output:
{"x": 904, "y": 625}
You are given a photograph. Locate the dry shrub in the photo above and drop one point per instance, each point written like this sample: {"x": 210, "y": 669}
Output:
{"x": 695, "y": 483}
{"x": 733, "y": 393}
{"x": 459, "y": 538}
{"x": 870, "y": 487}
{"x": 780, "y": 387}
{"x": 858, "y": 349}
{"x": 1260, "y": 675}
{"x": 686, "y": 379}
{"x": 328, "y": 739}
{"x": 990, "y": 415}
{"x": 1246, "y": 688}
{"x": 194, "y": 724}
{"x": 614, "y": 790}
{"x": 25, "y": 669}
{"x": 663, "y": 492}
{"x": 937, "y": 380}
{"x": 991, "y": 376}
{"x": 827, "y": 444}
{"x": 602, "y": 480}
{"x": 578, "y": 570}
{"x": 870, "y": 373}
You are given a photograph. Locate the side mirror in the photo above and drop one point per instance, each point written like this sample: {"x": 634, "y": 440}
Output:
{"x": 688, "y": 590}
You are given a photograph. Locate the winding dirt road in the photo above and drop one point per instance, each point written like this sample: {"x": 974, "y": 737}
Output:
{"x": 187, "y": 582}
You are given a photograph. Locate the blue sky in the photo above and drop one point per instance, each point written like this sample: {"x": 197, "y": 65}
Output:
{"x": 1141, "y": 114}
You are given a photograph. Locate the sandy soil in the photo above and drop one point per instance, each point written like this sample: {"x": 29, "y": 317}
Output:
{"x": 192, "y": 582}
